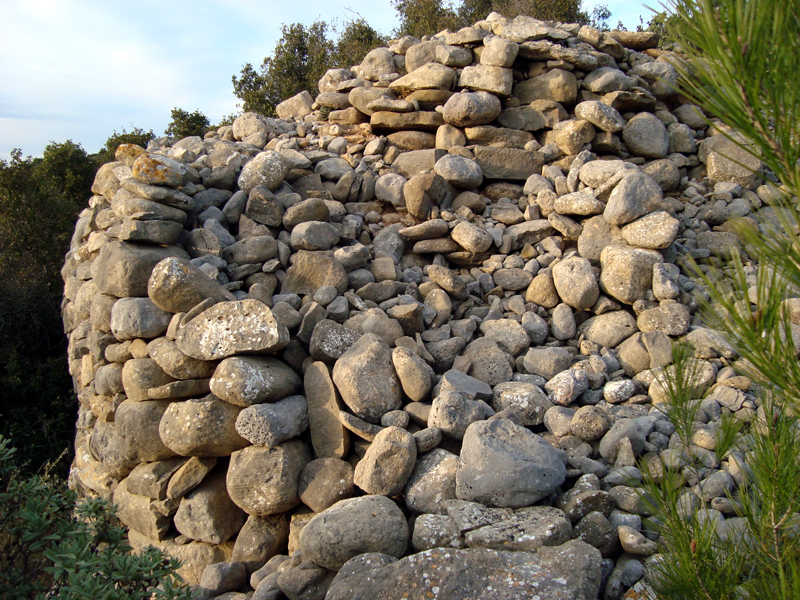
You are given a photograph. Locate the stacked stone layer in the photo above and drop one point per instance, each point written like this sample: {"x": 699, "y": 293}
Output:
{"x": 424, "y": 315}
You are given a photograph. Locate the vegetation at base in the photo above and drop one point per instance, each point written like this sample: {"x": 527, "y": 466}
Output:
{"x": 185, "y": 124}
{"x": 53, "y": 545}
{"x": 735, "y": 71}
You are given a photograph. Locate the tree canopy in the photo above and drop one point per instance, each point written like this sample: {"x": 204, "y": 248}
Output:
{"x": 303, "y": 53}
{"x": 185, "y": 124}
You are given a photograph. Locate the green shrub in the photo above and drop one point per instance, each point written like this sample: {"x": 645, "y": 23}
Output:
{"x": 54, "y": 547}
{"x": 40, "y": 199}
{"x": 185, "y": 124}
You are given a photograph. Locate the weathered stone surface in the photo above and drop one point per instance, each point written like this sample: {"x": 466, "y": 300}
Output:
{"x": 123, "y": 269}
{"x": 141, "y": 374}
{"x": 388, "y": 462}
{"x": 428, "y": 76}
{"x": 249, "y": 123}
{"x": 138, "y": 513}
{"x": 526, "y": 400}
{"x": 133, "y": 318}
{"x": 157, "y": 193}
{"x": 627, "y": 273}
{"x": 212, "y": 431}
{"x": 571, "y": 570}
{"x": 504, "y": 464}
{"x": 324, "y": 482}
{"x": 328, "y": 437}
{"x": 263, "y": 481}
{"x": 609, "y": 329}
{"x": 151, "y": 479}
{"x": 471, "y": 109}
{"x": 366, "y": 379}
{"x": 298, "y": 106}
{"x": 646, "y": 136}
{"x": 137, "y": 424}
{"x": 260, "y": 539}
{"x": 453, "y": 413}
{"x": 635, "y": 196}
{"x": 207, "y": 513}
{"x": 490, "y": 364}
{"x": 194, "y": 556}
{"x": 459, "y": 171}
{"x": 271, "y": 424}
{"x": 244, "y": 326}
{"x": 189, "y": 476}
{"x": 655, "y": 231}
{"x": 496, "y": 80}
{"x": 267, "y": 168}
{"x": 508, "y": 163}
{"x": 600, "y": 115}
{"x": 524, "y": 530}
{"x": 352, "y": 527}
{"x": 244, "y": 380}
{"x": 415, "y": 376}
{"x": 311, "y": 271}
{"x": 539, "y": 114}
{"x": 432, "y": 482}
{"x": 176, "y": 285}
{"x": 557, "y": 85}
{"x": 575, "y": 283}
{"x": 175, "y": 363}
{"x": 726, "y": 161}
{"x": 672, "y": 319}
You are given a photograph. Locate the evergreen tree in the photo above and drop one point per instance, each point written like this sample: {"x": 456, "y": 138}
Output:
{"x": 734, "y": 69}
{"x": 299, "y": 60}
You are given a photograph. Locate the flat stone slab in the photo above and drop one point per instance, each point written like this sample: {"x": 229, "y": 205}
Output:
{"x": 228, "y": 328}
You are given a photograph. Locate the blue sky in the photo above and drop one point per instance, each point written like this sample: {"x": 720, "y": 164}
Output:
{"x": 81, "y": 69}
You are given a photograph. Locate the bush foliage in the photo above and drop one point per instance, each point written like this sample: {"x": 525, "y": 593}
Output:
{"x": 51, "y": 547}
{"x": 40, "y": 199}
{"x": 185, "y": 124}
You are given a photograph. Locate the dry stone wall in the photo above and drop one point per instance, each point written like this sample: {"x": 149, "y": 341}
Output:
{"x": 409, "y": 337}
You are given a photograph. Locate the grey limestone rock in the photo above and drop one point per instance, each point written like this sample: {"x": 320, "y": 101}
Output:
{"x": 352, "y": 527}
{"x": 366, "y": 379}
{"x": 272, "y": 424}
{"x": 504, "y": 464}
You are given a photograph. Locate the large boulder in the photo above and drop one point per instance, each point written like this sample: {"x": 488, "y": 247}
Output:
{"x": 176, "y": 285}
{"x": 263, "y": 481}
{"x": 123, "y": 269}
{"x": 571, "y": 570}
{"x": 311, "y": 271}
{"x": 227, "y": 328}
{"x": 366, "y": 379}
{"x": 267, "y": 168}
{"x": 505, "y": 464}
{"x": 208, "y": 514}
{"x": 248, "y": 380}
{"x": 213, "y": 430}
{"x": 352, "y": 527}
{"x": 471, "y": 109}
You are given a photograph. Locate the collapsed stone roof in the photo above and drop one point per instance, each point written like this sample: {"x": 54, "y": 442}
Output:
{"x": 424, "y": 315}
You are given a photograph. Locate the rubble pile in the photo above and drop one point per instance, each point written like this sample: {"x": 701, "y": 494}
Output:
{"x": 409, "y": 339}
